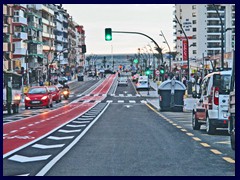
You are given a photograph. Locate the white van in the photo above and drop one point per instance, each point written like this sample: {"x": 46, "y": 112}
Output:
{"x": 143, "y": 83}
{"x": 212, "y": 107}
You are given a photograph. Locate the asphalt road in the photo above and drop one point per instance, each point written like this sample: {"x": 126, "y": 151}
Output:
{"x": 131, "y": 139}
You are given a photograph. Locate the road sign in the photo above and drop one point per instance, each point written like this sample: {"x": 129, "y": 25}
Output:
{"x": 157, "y": 72}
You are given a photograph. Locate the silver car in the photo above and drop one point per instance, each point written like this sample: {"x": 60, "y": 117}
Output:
{"x": 122, "y": 81}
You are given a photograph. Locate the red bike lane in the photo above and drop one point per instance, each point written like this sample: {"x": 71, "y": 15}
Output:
{"x": 26, "y": 131}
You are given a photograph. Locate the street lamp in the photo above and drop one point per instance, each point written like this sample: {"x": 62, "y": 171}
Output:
{"x": 222, "y": 45}
{"x": 188, "y": 63}
{"x": 165, "y": 41}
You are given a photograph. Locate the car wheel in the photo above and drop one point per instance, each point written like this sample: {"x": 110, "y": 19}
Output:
{"x": 26, "y": 107}
{"x": 195, "y": 124}
{"x": 209, "y": 126}
{"x": 51, "y": 105}
{"x": 31, "y": 107}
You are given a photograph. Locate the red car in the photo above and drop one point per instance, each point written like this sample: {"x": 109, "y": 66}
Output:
{"x": 56, "y": 93}
{"x": 38, "y": 96}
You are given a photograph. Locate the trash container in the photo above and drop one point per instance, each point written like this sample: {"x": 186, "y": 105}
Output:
{"x": 171, "y": 93}
{"x": 80, "y": 77}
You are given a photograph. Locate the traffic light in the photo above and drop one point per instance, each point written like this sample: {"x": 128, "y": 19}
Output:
{"x": 135, "y": 61}
{"x": 147, "y": 72}
{"x": 162, "y": 71}
{"x": 108, "y": 34}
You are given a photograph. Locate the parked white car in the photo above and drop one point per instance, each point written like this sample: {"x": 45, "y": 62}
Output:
{"x": 212, "y": 107}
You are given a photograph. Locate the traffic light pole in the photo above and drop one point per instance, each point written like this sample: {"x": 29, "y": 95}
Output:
{"x": 127, "y": 32}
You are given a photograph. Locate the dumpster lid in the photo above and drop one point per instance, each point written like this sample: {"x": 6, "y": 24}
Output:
{"x": 167, "y": 85}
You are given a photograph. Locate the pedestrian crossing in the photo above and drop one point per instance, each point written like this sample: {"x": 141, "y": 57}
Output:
{"x": 126, "y": 101}
{"x": 125, "y": 95}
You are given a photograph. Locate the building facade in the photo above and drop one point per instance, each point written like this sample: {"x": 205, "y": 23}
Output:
{"x": 39, "y": 38}
{"x": 8, "y": 46}
{"x": 202, "y": 26}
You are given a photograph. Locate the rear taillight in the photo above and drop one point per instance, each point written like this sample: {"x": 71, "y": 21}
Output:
{"x": 216, "y": 96}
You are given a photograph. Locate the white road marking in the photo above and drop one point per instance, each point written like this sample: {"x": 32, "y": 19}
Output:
{"x": 132, "y": 101}
{"x": 109, "y": 101}
{"x": 129, "y": 95}
{"x": 48, "y": 166}
{"x": 71, "y": 125}
{"x": 13, "y": 131}
{"x": 120, "y": 101}
{"x": 81, "y": 122}
{"x": 60, "y": 138}
{"x": 121, "y": 95}
{"x": 20, "y": 158}
{"x": 42, "y": 146}
{"x": 69, "y": 131}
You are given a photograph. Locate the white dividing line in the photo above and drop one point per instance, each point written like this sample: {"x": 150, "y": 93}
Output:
{"x": 22, "y": 127}
{"x": 132, "y": 101}
{"x": 81, "y": 122}
{"x": 84, "y": 119}
{"x": 85, "y": 116}
{"x": 120, "y": 101}
{"x": 69, "y": 131}
{"x": 22, "y": 159}
{"x": 109, "y": 101}
{"x": 42, "y": 146}
{"x": 129, "y": 95}
{"x": 71, "y": 125}
{"x": 48, "y": 166}
{"x": 30, "y": 124}
{"x": 60, "y": 138}
{"x": 13, "y": 131}
{"x": 121, "y": 95}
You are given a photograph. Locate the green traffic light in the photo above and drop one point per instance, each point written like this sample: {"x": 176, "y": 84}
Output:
{"x": 108, "y": 34}
{"x": 135, "y": 61}
{"x": 148, "y": 72}
{"x": 162, "y": 71}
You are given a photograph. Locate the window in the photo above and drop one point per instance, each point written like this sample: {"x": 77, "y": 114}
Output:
{"x": 223, "y": 82}
{"x": 194, "y": 29}
{"x": 194, "y": 7}
{"x": 194, "y": 51}
{"x": 194, "y": 22}
{"x": 193, "y": 14}
{"x": 16, "y": 13}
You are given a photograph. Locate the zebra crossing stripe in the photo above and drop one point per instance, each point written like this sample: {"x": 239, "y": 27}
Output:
{"x": 132, "y": 101}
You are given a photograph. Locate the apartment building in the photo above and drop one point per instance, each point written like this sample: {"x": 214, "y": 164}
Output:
{"x": 202, "y": 26}
{"x": 41, "y": 36}
{"x": 8, "y": 47}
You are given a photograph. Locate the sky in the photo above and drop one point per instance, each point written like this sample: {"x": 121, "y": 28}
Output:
{"x": 149, "y": 19}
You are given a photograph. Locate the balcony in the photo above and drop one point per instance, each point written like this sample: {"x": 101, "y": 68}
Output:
{"x": 47, "y": 22}
{"x": 59, "y": 47}
{"x": 22, "y": 5}
{"x": 48, "y": 48}
{"x": 20, "y": 20}
{"x": 44, "y": 8}
{"x": 5, "y": 47}
{"x": 47, "y": 35}
{"x": 20, "y": 51}
{"x": 59, "y": 38}
{"x": 20, "y": 35}
{"x": 59, "y": 18}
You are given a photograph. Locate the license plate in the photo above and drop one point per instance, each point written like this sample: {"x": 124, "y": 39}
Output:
{"x": 35, "y": 102}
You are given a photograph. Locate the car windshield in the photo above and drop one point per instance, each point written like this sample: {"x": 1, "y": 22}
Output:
{"x": 52, "y": 89}
{"x": 37, "y": 91}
